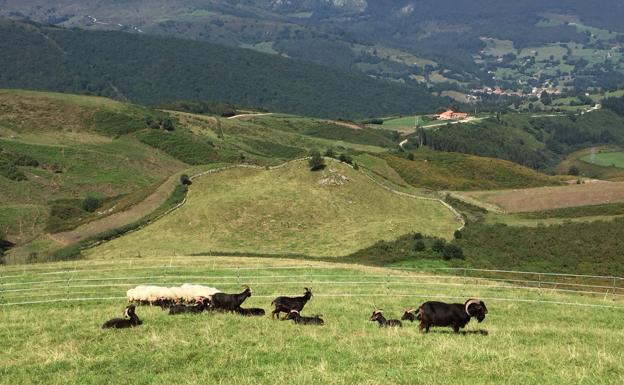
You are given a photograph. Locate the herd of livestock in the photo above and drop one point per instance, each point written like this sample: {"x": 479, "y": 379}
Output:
{"x": 195, "y": 299}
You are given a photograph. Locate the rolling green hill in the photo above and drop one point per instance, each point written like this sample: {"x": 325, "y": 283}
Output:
{"x": 57, "y": 149}
{"x": 152, "y": 69}
{"x": 287, "y": 210}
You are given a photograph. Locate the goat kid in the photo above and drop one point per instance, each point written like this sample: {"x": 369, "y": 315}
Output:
{"x": 250, "y": 312}
{"x": 383, "y": 322}
{"x": 202, "y": 304}
{"x": 299, "y": 319}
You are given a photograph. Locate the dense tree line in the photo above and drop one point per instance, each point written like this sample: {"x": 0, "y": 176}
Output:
{"x": 151, "y": 69}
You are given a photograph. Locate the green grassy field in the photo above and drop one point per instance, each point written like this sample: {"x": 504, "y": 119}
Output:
{"x": 285, "y": 210}
{"x": 608, "y": 159}
{"x": 519, "y": 342}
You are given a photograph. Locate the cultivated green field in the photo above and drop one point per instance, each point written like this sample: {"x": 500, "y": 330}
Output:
{"x": 563, "y": 339}
{"x": 285, "y": 210}
{"x": 609, "y": 159}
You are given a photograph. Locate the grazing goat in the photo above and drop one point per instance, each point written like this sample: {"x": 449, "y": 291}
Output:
{"x": 455, "y": 315}
{"x": 299, "y": 319}
{"x": 250, "y": 312}
{"x": 383, "y": 322}
{"x": 286, "y": 304}
{"x": 120, "y": 323}
{"x": 229, "y": 302}
{"x": 181, "y": 309}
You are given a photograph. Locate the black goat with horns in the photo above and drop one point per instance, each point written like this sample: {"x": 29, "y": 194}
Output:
{"x": 287, "y": 304}
{"x": 455, "y": 315}
{"x": 229, "y": 302}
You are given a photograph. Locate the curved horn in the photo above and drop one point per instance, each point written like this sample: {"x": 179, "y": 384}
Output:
{"x": 410, "y": 310}
{"x": 471, "y": 302}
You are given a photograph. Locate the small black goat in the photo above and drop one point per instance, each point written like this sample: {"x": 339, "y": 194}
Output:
{"x": 411, "y": 315}
{"x": 250, "y": 312}
{"x": 181, "y": 309}
{"x": 164, "y": 303}
{"x": 455, "y": 315}
{"x": 120, "y": 323}
{"x": 286, "y": 304}
{"x": 383, "y": 322}
{"x": 229, "y": 302}
{"x": 299, "y": 319}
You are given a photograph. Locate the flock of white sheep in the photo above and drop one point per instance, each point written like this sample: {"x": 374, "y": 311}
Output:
{"x": 186, "y": 293}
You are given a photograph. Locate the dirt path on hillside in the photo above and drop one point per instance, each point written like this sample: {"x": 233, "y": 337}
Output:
{"x": 249, "y": 115}
{"x": 350, "y": 125}
{"x": 113, "y": 221}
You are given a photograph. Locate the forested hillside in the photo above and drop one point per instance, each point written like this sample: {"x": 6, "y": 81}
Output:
{"x": 442, "y": 43}
{"x": 150, "y": 69}
{"x": 534, "y": 141}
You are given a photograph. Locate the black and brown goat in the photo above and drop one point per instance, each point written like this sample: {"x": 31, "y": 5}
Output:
{"x": 163, "y": 303}
{"x": 202, "y": 304}
{"x": 299, "y": 319}
{"x": 229, "y": 302}
{"x": 121, "y": 323}
{"x": 286, "y": 304}
{"x": 383, "y": 322}
{"x": 250, "y": 312}
{"x": 455, "y": 315}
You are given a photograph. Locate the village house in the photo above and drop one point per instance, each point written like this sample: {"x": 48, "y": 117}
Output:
{"x": 452, "y": 115}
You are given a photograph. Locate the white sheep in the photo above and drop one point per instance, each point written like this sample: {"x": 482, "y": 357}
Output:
{"x": 186, "y": 293}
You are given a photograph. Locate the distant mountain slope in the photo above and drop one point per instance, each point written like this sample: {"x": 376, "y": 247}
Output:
{"x": 438, "y": 42}
{"x": 150, "y": 69}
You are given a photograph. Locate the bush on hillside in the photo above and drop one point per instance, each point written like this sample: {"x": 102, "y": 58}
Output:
{"x": 185, "y": 180}
{"x": 316, "y": 161}
{"x": 344, "y": 158}
{"x": 91, "y": 203}
{"x": 452, "y": 251}
{"x": 420, "y": 246}
{"x": 438, "y": 245}
{"x": 457, "y": 234}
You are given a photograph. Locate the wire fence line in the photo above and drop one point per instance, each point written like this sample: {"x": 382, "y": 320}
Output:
{"x": 47, "y": 292}
{"x": 320, "y": 266}
{"x": 485, "y": 280}
{"x": 258, "y": 281}
{"x": 495, "y": 299}
{"x": 68, "y": 289}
